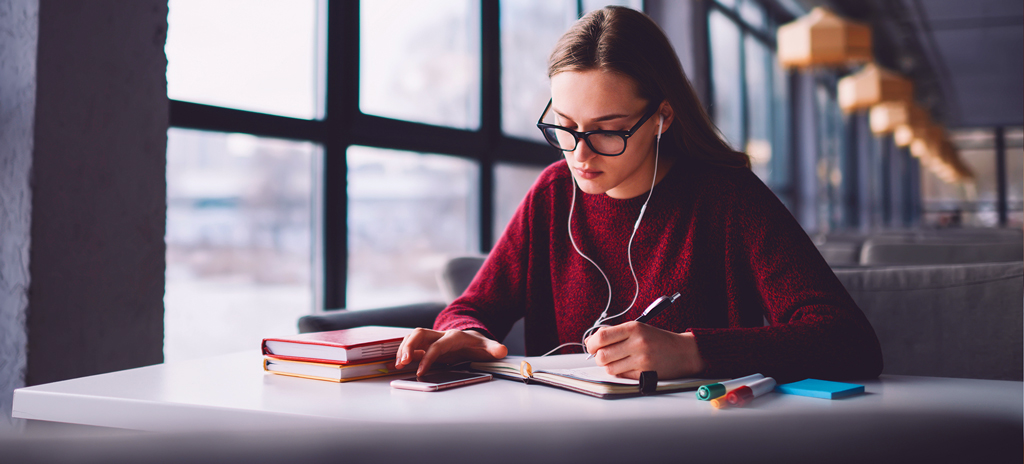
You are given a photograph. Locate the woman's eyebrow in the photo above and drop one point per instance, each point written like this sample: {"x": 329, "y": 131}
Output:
{"x": 607, "y": 117}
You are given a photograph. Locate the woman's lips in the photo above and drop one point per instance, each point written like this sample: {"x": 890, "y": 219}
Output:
{"x": 587, "y": 173}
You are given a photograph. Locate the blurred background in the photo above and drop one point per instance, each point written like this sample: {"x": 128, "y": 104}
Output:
{"x": 335, "y": 154}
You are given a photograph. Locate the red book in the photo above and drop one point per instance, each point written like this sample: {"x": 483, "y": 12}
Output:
{"x": 348, "y": 346}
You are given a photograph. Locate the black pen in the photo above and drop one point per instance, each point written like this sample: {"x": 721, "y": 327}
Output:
{"x": 654, "y": 309}
{"x": 657, "y": 307}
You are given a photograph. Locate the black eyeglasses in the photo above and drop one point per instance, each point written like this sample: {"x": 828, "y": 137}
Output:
{"x": 602, "y": 142}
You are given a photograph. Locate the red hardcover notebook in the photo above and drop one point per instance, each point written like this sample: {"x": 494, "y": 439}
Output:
{"x": 348, "y": 346}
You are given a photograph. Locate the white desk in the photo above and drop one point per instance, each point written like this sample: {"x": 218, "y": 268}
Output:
{"x": 232, "y": 394}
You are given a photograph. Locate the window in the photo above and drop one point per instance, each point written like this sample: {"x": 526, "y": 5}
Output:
{"x": 749, "y": 91}
{"x": 420, "y": 61}
{"x": 241, "y": 239}
{"x": 1014, "y": 139}
{"x": 263, "y": 56}
{"x": 408, "y": 213}
{"x": 975, "y": 203}
{"x": 511, "y": 182}
{"x": 529, "y": 30}
{"x": 394, "y": 133}
{"x": 397, "y": 112}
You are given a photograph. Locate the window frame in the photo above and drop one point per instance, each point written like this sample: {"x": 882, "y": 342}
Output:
{"x": 774, "y": 17}
{"x": 344, "y": 125}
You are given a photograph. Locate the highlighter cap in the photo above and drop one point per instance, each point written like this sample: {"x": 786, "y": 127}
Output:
{"x": 710, "y": 392}
{"x": 719, "y": 402}
{"x": 740, "y": 396}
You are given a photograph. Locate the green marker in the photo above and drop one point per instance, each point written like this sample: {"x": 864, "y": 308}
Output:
{"x": 712, "y": 391}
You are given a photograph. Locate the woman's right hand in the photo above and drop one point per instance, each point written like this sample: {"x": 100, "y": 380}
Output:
{"x": 429, "y": 346}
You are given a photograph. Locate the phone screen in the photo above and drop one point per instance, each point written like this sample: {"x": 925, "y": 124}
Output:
{"x": 440, "y": 380}
{"x": 445, "y": 377}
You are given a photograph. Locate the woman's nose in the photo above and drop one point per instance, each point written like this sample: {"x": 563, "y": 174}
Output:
{"x": 582, "y": 153}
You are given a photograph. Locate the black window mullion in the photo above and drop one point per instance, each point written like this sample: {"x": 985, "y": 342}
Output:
{"x": 397, "y": 134}
{"x": 214, "y": 118}
{"x": 342, "y": 109}
{"x": 490, "y": 114}
{"x": 746, "y": 28}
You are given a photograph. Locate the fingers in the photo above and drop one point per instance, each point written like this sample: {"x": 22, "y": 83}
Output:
{"x": 607, "y": 343}
{"x": 497, "y": 350}
{"x": 417, "y": 341}
{"x": 457, "y": 345}
{"x": 430, "y": 346}
{"x": 442, "y": 346}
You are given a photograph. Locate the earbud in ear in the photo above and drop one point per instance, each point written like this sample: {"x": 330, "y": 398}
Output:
{"x": 661, "y": 122}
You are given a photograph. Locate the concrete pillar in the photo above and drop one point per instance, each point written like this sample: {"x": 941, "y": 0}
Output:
{"x": 88, "y": 189}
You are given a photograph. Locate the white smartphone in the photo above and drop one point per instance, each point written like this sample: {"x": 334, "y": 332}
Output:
{"x": 440, "y": 380}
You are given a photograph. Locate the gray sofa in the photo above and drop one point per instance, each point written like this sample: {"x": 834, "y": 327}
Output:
{"x": 954, "y": 320}
{"x": 921, "y": 246}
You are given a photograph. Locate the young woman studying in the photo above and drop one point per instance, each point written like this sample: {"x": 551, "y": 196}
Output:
{"x": 650, "y": 201}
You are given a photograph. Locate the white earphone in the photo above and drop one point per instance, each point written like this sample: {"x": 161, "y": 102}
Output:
{"x": 604, "y": 317}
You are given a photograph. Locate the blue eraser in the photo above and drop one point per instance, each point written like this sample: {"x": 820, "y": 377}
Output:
{"x": 820, "y": 389}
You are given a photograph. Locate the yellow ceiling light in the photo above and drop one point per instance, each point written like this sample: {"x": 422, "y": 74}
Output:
{"x": 821, "y": 38}
{"x": 906, "y": 133}
{"x": 871, "y": 86}
{"x": 885, "y": 117}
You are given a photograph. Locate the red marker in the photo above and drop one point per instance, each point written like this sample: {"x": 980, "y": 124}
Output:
{"x": 739, "y": 396}
{"x": 743, "y": 395}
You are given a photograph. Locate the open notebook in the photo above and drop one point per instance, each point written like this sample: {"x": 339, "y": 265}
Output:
{"x": 575, "y": 372}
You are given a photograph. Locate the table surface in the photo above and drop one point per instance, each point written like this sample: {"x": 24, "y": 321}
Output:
{"x": 232, "y": 392}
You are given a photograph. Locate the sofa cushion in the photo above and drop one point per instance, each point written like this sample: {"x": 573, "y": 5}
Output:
{"x": 960, "y": 320}
{"x": 881, "y": 251}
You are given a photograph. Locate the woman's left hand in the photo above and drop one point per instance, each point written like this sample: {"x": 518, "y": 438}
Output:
{"x": 633, "y": 347}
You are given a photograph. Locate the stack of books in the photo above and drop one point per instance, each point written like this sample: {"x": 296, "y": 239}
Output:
{"x": 337, "y": 355}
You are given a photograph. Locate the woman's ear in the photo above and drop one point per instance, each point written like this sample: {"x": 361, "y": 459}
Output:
{"x": 666, "y": 115}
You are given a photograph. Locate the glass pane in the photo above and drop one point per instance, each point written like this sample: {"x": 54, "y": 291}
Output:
{"x": 830, "y": 205}
{"x": 781, "y": 166}
{"x": 511, "y": 182}
{"x": 753, "y": 13}
{"x": 1015, "y": 176}
{"x": 408, "y": 213}
{"x": 727, "y": 82}
{"x": 977, "y": 150}
{"x": 529, "y": 30}
{"x": 240, "y": 240}
{"x": 264, "y": 56}
{"x": 759, "y": 102}
{"x": 420, "y": 61}
{"x": 590, "y": 5}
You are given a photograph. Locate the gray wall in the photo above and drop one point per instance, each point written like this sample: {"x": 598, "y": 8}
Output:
{"x": 18, "y": 33}
{"x": 95, "y": 200}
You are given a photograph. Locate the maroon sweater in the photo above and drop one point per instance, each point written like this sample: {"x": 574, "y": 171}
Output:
{"x": 716, "y": 235}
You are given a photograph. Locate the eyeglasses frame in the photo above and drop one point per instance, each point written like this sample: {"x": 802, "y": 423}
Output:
{"x": 586, "y": 135}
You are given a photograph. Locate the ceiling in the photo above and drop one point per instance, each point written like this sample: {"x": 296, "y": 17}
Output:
{"x": 966, "y": 57}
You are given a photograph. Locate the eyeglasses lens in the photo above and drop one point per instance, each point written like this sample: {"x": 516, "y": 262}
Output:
{"x": 604, "y": 144}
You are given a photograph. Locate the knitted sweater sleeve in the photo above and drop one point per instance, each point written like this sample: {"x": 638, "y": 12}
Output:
{"x": 815, "y": 329}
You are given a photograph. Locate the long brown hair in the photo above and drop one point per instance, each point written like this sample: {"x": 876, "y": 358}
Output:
{"x": 629, "y": 42}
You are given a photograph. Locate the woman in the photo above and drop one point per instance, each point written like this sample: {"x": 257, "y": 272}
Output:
{"x": 655, "y": 217}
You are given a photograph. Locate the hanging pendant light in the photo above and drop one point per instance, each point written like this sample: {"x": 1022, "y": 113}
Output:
{"x": 885, "y": 117}
{"x": 871, "y": 86}
{"x": 821, "y": 38}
